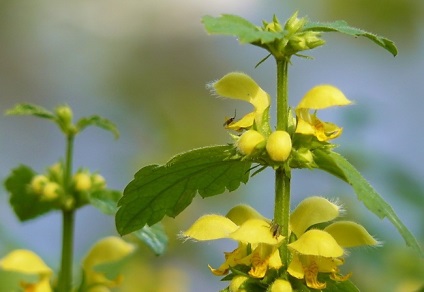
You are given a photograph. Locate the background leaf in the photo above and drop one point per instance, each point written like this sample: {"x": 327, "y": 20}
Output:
{"x": 25, "y": 203}
{"x": 154, "y": 237}
{"x": 30, "y": 109}
{"x": 342, "y": 27}
{"x": 105, "y": 200}
{"x": 99, "y": 122}
{"x": 157, "y": 191}
{"x": 337, "y": 165}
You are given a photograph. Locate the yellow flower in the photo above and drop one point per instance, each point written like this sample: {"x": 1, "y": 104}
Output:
{"x": 107, "y": 250}
{"x": 320, "y": 251}
{"x": 279, "y": 146}
{"x": 257, "y": 245}
{"x": 238, "y": 85}
{"x": 249, "y": 141}
{"x": 319, "y": 97}
{"x": 26, "y": 262}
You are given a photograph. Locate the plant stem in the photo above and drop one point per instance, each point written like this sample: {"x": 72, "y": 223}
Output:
{"x": 68, "y": 214}
{"x": 282, "y": 178}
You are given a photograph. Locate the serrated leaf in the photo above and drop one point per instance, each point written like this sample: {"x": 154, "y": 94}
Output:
{"x": 31, "y": 109}
{"x": 24, "y": 202}
{"x": 105, "y": 200}
{"x": 342, "y": 27}
{"x": 234, "y": 25}
{"x": 154, "y": 237}
{"x": 337, "y": 165}
{"x": 157, "y": 191}
{"x": 99, "y": 122}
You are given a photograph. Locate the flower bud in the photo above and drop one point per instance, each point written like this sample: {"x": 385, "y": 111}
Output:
{"x": 294, "y": 24}
{"x": 248, "y": 141}
{"x": 82, "y": 181}
{"x": 38, "y": 182}
{"x": 236, "y": 284}
{"x": 279, "y": 146}
{"x": 50, "y": 191}
{"x": 281, "y": 285}
{"x": 64, "y": 114}
{"x": 98, "y": 181}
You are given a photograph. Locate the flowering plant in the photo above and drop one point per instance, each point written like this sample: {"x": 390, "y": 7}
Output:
{"x": 299, "y": 251}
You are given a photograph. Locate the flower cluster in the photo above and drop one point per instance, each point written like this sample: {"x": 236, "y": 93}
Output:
{"x": 28, "y": 265}
{"x": 259, "y": 143}
{"x": 314, "y": 250}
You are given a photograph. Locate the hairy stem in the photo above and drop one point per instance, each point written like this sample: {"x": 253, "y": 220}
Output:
{"x": 282, "y": 178}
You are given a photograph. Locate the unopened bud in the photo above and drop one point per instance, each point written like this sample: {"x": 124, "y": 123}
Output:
{"x": 248, "y": 141}
{"x": 82, "y": 181}
{"x": 38, "y": 183}
{"x": 279, "y": 146}
{"x": 281, "y": 285}
{"x": 98, "y": 181}
{"x": 236, "y": 284}
{"x": 50, "y": 191}
{"x": 294, "y": 24}
{"x": 64, "y": 114}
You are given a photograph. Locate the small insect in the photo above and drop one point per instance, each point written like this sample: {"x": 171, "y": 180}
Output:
{"x": 275, "y": 229}
{"x": 230, "y": 120}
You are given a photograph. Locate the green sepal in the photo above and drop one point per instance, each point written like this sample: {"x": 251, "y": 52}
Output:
{"x": 105, "y": 200}
{"x": 26, "y": 109}
{"x": 342, "y": 27}
{"x": 168, "y": 189}
{"x": 338, "y": 166}
{"x": 25, "y": 203}
{"x": 154, "y": 237}
{"x": 97, "y": 121}
{"x": 245, "y": 31}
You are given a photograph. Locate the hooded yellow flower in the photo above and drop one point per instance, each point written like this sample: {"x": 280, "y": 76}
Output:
{"x": 107, "y": 250}
{"x": 257, "y": 245}
{"x": 320, "y": 251}
{"x": 26, "y": 262}
{"x": 319, "y": 97}
{"x": 238, "y": 85}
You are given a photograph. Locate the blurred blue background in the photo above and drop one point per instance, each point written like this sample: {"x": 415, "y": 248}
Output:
{"x": 144, "y": 65}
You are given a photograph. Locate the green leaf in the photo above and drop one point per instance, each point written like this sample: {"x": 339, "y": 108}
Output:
{"x": 234, "y": 25}
{"x": 154, "y": 237}
{"x": 105, "y": 200}
{"x": 99, "y": 122}
{"x": 30, "y": 109}
{"x": 157, "y": 191}
{"x": 337, "y": 165}
{"x": 25, "y": 203}
{"x": 342, "y": 27}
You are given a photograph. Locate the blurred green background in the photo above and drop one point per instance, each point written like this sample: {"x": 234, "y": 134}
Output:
{"x": 144, "y": 65}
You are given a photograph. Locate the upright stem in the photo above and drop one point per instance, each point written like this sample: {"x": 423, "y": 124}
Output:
{"x": 65, "y": 275}
{"x": 282, "y": 178}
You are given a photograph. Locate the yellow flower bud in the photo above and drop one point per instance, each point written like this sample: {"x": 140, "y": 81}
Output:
{"x": 82, "y": 181}
{"x": 236, "y": 284}
{"x": 248, "y": 141}
{"x": 64, "y": 113}
{"x": 38, "y": 182}
{"x": 50, "y": 191}
{"x": 98, "y": 181}
{"x": 294, "y": 23}
{"x": 279, "y": 146}
{"x": 281, "y": 285}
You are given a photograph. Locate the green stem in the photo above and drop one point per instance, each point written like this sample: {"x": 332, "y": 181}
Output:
{"x": 282, "y": 178}
{"x": 68, "y": 217}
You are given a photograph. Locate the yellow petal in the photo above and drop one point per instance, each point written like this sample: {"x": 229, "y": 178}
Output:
{"x": 234, "y": 258}
{"x": 241, "y": 86}
{"x": 241, "y": 213}
{"x": 323, "y": 96}
{"x": 311, "y": 211}
{"x": 255, "y": 231}
{"x": 24, "y": 261}
{"x": 317, "y": 242}
{"x": 349, "y": 234}
{"x": 295, "y": 267}
{"x": 106, "y": 250}
{"x": 210, "y": 227}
